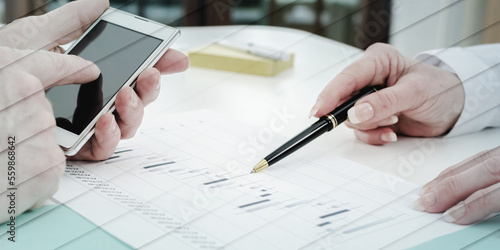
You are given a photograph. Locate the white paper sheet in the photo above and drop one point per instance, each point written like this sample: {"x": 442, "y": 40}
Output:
{"x": 185, "y": 183}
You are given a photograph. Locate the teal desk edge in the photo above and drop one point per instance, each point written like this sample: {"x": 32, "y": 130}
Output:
{"x": 57, "y": 226}
{"x": 485, "y": 235}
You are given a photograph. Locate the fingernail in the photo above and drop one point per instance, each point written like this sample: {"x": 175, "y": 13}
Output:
{"x": 112, "y": 125}
{"x": 389, "y": 121}
{"x": 315, "y": 108}
{"x": 422, "y": 191}
{"x": 424, "y": 202}
{"x": 455, "y": 213}
{"x": 159, "y": 81}
{"x": 388, "y": 137}
{"x": 360, "y": 113}
{"x": 133, "y": 100}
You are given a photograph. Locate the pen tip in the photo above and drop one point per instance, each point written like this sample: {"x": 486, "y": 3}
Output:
{"x": 261, "y": 165}
{"x": 253, "y": 171}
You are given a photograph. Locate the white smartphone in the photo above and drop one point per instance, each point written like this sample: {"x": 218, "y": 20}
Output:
{"x": 122, "y": 45}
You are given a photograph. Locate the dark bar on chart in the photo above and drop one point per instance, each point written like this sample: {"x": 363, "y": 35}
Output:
{"x": 160, "y": 164}
{"x": 324, "y": 224}
{"x": 334, "y": 213}
{"x": 123, "y": 151}
{"x": 264, "y": 195}
{"x": 113, "y": 157}
{"x": 262, "y": 207}
{"x": 216, "y": 181}
{"x": 254, "y": 203}
{"x": 121, "y": 159}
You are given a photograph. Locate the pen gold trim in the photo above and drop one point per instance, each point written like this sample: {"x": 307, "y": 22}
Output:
{"x": 260, "y": 166}
{"x": 334, "y": 120}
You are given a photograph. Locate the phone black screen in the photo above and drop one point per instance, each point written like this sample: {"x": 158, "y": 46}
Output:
{"x": 118, "y": 52}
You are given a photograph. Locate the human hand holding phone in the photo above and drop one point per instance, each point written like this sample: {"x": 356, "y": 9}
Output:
{"x": 26, "y": 113}
{"x": 129, "y": 104}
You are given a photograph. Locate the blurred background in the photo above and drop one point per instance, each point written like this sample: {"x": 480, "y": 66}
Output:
{"x": 412, "y": 26}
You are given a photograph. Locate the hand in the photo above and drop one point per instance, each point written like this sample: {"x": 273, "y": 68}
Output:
{"x": 26, "y": 71}
{"x": 129, "y": 105}
{"x": 27, "y": 118}
{"x": 419, "y": 100}
{"x": 38, "y": 32}
{"x": 468, "y": 191}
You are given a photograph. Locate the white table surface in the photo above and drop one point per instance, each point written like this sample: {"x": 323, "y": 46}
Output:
{"x": 254, "y": 99}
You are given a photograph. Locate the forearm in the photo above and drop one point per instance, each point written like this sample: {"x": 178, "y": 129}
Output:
{"x": 478, "y": 68}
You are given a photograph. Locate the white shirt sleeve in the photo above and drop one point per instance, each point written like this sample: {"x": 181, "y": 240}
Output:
{"x": 478, "y": 68}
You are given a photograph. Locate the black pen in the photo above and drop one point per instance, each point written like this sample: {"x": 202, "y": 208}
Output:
{"x": 324, "y": 124}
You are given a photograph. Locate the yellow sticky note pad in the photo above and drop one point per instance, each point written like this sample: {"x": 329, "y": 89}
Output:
{"x": 216, "y": 56}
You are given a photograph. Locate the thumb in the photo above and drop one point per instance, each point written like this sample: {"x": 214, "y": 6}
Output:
{"x": 379, "y": 65}
{"x": 57, "y": 27}
{"x": 384, "y": 103}
{"x": 58, "y": 69}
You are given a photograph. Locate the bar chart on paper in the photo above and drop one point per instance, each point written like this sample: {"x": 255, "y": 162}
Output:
{"x": 186, "y": 184}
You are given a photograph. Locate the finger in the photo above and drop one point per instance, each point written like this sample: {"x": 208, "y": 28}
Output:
{"x": 58, "y": 49}
{"x": 377, "y": 136}
{"x": 41, "y": 186}
{"x": 130, "y": 112}
{"x": 172, "y": 61}
{"x": 391, "y": 120}
{"x": 384, "y": 103}
{"x": 460, "y": 167}
{"x": 373, "y": 68}
{"x": 57, "y": 27}
{"x": 456, "y": 188}
{"x": 148, "y": 85}
{"x": 412, "y": 92}
{"x": 102, "y": 145}
{"x": 54, "y": 174}
{"x": 476, "y": 207}
{"x": 56, "y": 69}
